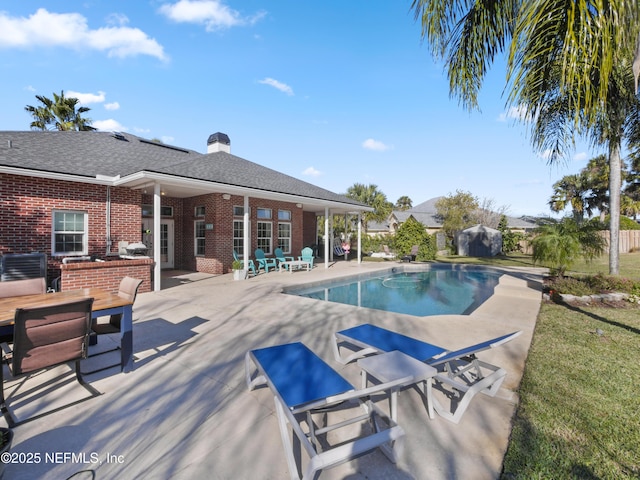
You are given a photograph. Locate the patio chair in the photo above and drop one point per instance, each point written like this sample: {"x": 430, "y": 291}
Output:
{"x": 128, "y": 290}
{"x": 461, "y": 370}
{"x": 46, "y": 337}
{"x": 17, "y": 288}
{"x": 306, "y": 255}
{"x": 251, "y": 265}
{"x": 264, "y": 262}
{"x": 305, "y": 388}
{"x": 412, "y": 254}
{"x": 280, "y": 258}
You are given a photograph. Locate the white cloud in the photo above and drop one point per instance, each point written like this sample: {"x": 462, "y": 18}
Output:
{"x": 310, "y": 171}
{"x": 375, "y": 145}
{"x": 30, "y": 88}
{"x": 112, "y": 106}
{"x": 86, "y": 98}
{"x": 515, "y": 113}
{"x": 283, "y": 87}
{"x": 213, "y": 14}
{"x": 109, "y": 125}
{"x": 70, "y": 30}
{"x": 141, "y": 130}
{"x": 580, "y": 157}
{"x": 167, "y": 139}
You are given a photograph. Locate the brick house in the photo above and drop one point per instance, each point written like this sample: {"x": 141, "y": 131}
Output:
{"x": 91, "y": 194}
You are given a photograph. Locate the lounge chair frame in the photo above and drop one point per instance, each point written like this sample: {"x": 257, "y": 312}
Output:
{"x": 302, "y": 419}
{"x": 460, "y": 370}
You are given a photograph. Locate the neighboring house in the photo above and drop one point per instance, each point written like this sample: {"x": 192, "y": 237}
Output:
{"x": 426, "y": 213}
{"x": 71, "y": 194}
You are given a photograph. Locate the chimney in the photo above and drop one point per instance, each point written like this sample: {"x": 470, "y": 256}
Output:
{"x": 218, "y": 142}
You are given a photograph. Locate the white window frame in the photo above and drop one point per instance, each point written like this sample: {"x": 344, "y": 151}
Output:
{"x": 284, "y": 238}
{"x": 238, "y": 242}
{"x": 264, "y": 214}
{"x": 284, "y": 215}
{"x": 265, "y": 242}
{"x": 196, "y": 238}
{"x": 84, "y": 233}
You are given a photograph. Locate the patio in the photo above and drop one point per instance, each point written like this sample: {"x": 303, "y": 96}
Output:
{"x": 184, "y": 411}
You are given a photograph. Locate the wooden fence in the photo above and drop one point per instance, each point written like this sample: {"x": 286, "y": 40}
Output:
{"x": 629, "y": 241}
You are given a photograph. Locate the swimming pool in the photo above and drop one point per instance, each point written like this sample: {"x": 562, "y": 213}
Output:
{"x": 439, "y": 290}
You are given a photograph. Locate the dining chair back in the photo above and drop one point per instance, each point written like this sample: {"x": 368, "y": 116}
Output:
{"x": 45, "y": 337}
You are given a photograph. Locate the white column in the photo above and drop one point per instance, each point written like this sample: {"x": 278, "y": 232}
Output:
{"x": 157, "y": 267}
{"x": 359, "y": 237}
{"x": 326, "y": 237}
{"x": 247, "y": 233}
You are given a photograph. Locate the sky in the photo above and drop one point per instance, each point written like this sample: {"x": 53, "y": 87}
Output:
{"x": 333, "y": 93}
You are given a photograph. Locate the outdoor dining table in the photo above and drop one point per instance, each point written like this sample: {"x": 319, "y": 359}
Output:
{"x": 104, "y": 303}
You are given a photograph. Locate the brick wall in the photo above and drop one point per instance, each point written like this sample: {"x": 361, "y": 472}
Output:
{"x": 105, "y": 275}
{"x": 27, "y": 203}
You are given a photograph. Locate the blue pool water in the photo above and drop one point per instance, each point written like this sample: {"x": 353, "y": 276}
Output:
{"x": 438, "y": 291}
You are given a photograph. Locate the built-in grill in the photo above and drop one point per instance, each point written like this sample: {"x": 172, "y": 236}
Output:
{"x": 135, "y": 250}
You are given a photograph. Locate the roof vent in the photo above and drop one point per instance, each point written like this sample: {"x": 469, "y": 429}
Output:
{"x": 218, "y": 142}
{"x": 118, "y": 135}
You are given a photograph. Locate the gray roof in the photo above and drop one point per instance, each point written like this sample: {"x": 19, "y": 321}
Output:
{"x": 426, "y": 214}
{"x": 88, "y": 154}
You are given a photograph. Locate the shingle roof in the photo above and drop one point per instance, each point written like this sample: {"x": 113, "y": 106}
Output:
{"x": 102, "y": 153}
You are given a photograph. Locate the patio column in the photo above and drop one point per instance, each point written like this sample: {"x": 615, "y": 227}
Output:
{"x": 326, "y": 237}
{"x": 359, "y": 237}
{"x": 157, "y": 266}
{"x": 246, "y": 240}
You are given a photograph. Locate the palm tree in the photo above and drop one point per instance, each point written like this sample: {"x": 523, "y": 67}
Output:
{"x": 559, "y": 245}
{"x": 404, "y": 203}
{"x": 571, "y": 191}
{"x": 572, "y": 55}
{"x": 59, "y": 114}
{"x": 370, "y": 195}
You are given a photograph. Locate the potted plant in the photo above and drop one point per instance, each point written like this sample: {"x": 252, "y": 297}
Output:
{"x": 6, "y": 438}
{"x": 238, "y": 272}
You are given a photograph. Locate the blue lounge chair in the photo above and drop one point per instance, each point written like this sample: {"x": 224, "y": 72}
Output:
{"x": 306, "y": 390}
{"x": 264, "y": 262}
{"x": 280, "y": 258}
{"x": 306, "y": 255}
{"x": 460, "y": 369}
{"x": 252, "y": 267}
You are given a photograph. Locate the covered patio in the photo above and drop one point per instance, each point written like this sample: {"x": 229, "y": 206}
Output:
{"x": 185, "y": 412}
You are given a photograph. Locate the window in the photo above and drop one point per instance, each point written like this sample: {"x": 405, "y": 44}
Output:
{"x": 199, "y": 234}
{"x": 69, "y": 233}
{"x": 199, "y": 211}
{"x": 284, "y": 215}
{"x": 238, "y": 236}
{"x": 284, "y": 237}
{"x": 264, "y": 213}
{"x": 264, "y": 236}
{"x": 238, "y": 211}
{"x": 147, "y": 211}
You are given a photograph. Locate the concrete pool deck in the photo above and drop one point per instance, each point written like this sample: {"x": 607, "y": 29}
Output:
{"x": 184, "y": 412}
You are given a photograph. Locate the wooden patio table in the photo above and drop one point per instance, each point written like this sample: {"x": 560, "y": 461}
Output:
{"x": 104, "y": 303}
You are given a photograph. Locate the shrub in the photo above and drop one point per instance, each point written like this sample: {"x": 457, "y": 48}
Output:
{"x": 413, "y": 233}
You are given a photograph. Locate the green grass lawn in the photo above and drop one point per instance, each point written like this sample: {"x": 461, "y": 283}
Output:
{"x": 629, "y": 263}
{"x": 579, "y": 411}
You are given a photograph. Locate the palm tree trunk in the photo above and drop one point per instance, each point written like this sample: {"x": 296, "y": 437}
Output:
{"x": 615, "y": 184}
